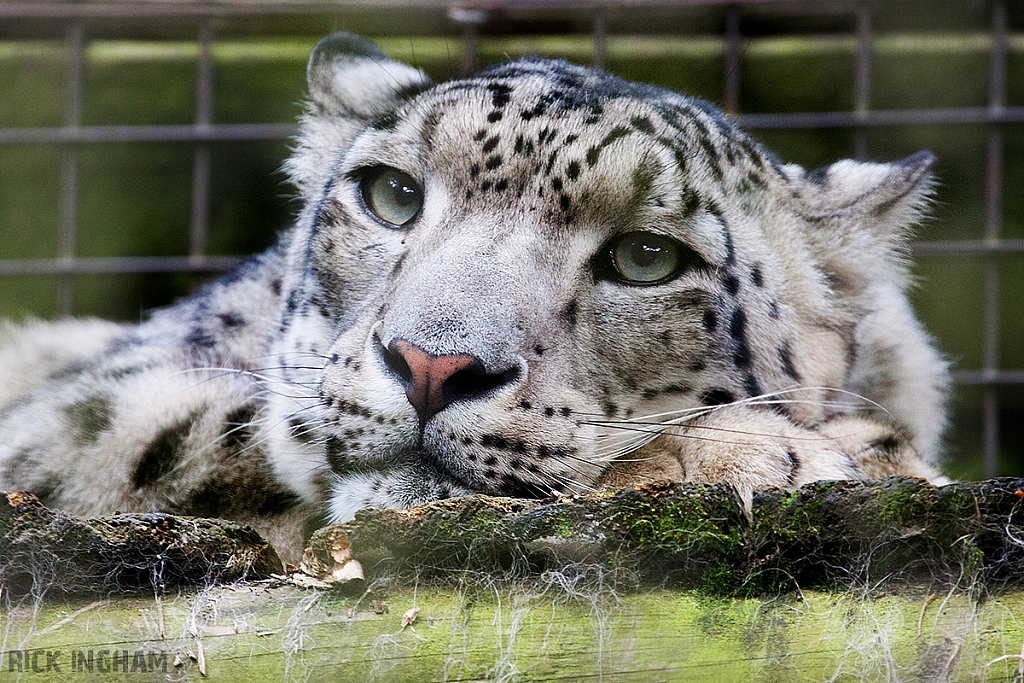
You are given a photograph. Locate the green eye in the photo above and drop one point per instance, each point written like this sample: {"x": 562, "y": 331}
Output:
{"x": 644, "y": 258}
{"x": 392, "y": 196}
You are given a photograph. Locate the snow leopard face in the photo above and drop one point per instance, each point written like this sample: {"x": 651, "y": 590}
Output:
{"x": 499, "y": 284}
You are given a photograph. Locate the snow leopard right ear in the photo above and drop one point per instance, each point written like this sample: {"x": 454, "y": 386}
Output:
{"x": 351, "y": 83}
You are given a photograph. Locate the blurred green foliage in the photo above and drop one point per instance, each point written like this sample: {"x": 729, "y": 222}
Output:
{"x": 135, "y": 199}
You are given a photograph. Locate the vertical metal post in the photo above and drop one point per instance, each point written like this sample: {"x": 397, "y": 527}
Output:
{"x": 600, "y": 38}
{"x": 993, "y": 220}
{"x": 862, "y": 94}
{"x": 67, "y": 236}
{"x": 733, "y": 46}
{"x": 199, "y": 228}
{"x": 470, "y": 20}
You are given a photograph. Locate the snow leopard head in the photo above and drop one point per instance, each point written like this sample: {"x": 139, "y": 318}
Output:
{"x": 491, "y": 276}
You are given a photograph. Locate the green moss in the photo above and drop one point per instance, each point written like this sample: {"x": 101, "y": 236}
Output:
{"x": 901, "y": 507}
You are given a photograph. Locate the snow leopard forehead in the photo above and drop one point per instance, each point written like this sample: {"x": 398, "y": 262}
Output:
{"x": 549, "y": 136}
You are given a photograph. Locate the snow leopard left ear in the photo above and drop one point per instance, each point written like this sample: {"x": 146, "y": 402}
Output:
{"x": 881, "y": 199}
{"x": 351, "y": 83}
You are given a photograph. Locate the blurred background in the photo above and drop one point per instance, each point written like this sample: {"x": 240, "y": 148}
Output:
{"x": 140, "y": 141}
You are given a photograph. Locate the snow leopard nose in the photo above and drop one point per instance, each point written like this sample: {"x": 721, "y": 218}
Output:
{"x": 432, "y": 383}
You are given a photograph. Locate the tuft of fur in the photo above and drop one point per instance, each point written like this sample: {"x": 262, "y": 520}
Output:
{"x": 491, "y": 344}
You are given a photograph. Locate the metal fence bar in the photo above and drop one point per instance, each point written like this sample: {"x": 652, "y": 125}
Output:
{"x": 600, "y": 38}
{"x": 68, "y": 229}
{"x": 733, "y": 53}
{"x": 114, "y": 265}
{"x": 224, "y": 132}
{"x": 199, "y": 226}
{"x": 228, "y": 132}
{"x": 862, "y": 89}
{"x": 887, "y": 118}
{"x": 968, "y": 247}
{"x": 470, "y": 20}
{"x": 993, "y": 220}
{"x": 988, "y": 379}
{"x": 12, "y": 9}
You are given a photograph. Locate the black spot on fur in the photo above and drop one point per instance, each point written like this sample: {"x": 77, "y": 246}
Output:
{"x": 293, "y": 301}
{"x": 642, "y": 124}
{"x": 549, "y": 411}
{"x": 474, "y": 171}
{"x": 738, "y": 332}
{"x": 399, "y": 262}
{"x": 730, "y": 247}
{"x": 680, "y": 156}
{"x": 501, "y": 185}
{"x": 275, "y": 287}
{"x": 92, "y": 417}
{"x": 570, "y": 314}
{"x": 493, "y": 162}
{"x": 500, "y": 94}
{"x": 752, "y": 386}
{"x": 556, "y": 184}
{"x": 887, "y": 448}
{"x": 480, "y": 135}
{"x": 336, "y": 449}
{"x": 254, "y": 495}
{"x": 494, "y": 116}
{"x": 713, "y": 159}
{"x": 689, "y": 203}
{"x": 564, "y": 202}
{"x": 162, "y": 454}
{"x": 386, "y": 121}
{"x": 756, "y": 276}
{"x": 236, "y": 432}
{"x": 717, "y": 397}
{"x": 572, "y": 171}
{"x": 614, "y": 134}
{"x": 786, "y": 357}
{"x": 710, "y": 319}
{"x": 551, "y": 162}
{"x": 232, "y": 319}
{"x": 491, "y": 144}
{"x": 516, "y": 487}
{"x": 200, "y": 338}
{"x": 731, "y": 283}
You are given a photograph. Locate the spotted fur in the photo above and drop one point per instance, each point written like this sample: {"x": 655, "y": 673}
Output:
{"x": 782, "y": 351}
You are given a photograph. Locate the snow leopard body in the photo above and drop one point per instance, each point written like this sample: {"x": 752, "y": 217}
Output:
{"x": 501, "y": 340}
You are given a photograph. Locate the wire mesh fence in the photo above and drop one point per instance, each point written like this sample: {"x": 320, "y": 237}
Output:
{"x": 867, "y": 40}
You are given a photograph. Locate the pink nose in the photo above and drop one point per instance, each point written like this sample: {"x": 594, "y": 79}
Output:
{"x": 432, "y": 382}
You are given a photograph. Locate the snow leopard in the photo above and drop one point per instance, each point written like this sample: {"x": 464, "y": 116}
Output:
{"x": 535, "y": 281}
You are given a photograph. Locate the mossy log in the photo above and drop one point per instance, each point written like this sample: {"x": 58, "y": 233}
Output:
{"x": 44, "y": 550}
{"x": 849, "y": 581}
{"x": 828, "y": 533}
